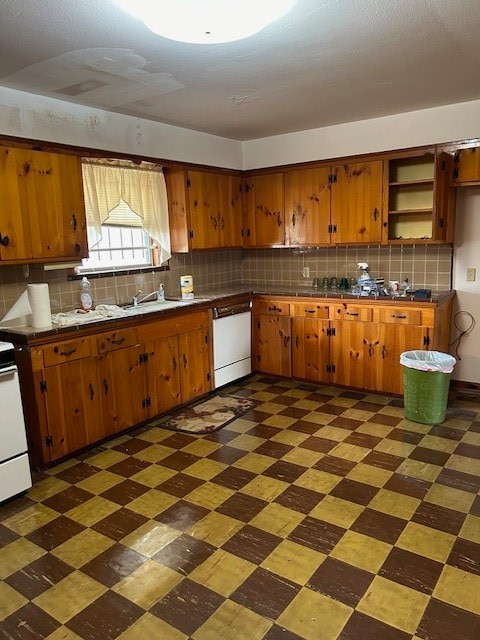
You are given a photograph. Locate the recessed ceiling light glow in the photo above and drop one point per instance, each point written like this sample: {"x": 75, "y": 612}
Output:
{"x": 206, "y": 21}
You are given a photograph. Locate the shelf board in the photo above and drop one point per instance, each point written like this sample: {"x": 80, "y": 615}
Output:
{"x": 401, "y": 212}
{"x": 408, "y": 183}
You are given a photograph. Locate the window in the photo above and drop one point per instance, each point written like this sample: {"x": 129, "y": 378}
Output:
{"x": 127, "y": 215}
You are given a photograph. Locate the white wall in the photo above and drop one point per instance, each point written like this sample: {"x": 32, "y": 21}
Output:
{"x": 467, "y": 254}
{"x": 25, "y": 115}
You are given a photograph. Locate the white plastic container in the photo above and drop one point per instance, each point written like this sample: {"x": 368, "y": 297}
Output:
{"x": 186, "y": 287}
{"x": 86, "y": 301}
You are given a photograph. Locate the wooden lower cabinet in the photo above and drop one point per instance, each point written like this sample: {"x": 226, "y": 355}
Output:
{"x": 272, "y": 344}
{"x": 310, "y": 349}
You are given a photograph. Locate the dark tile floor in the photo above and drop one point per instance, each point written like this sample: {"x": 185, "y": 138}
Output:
{"x": 321, "y": 514}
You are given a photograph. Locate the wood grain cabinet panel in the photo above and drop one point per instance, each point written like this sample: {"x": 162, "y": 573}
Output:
{"x": 310, "y": 349}
{"x": 307, "y": 206}
{"x": 265, "y": 210}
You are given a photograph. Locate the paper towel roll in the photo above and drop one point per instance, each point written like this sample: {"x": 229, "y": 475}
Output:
{"x": 39, "y": 300}
{"x": 21, "y": 311}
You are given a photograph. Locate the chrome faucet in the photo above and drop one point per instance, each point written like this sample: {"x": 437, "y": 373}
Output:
{"x": 136, "y": 301}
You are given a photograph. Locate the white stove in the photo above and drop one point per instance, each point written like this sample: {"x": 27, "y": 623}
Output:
{"x": 15, "y": 474}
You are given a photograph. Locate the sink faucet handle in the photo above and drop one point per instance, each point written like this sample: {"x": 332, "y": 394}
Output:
{"x": 135, "y": 298}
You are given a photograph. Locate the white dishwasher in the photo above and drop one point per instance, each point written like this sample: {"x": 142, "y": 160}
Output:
{"x": 232, "y": 342}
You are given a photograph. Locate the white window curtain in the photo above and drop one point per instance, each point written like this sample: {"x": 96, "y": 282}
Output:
{"x": 144, "y": 191}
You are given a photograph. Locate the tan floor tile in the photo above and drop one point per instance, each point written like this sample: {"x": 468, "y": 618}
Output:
{"x": 154, "y": 453}
{"x": 418, "y": 469}
{"x": 398, "y": 412}
{"x": 277, "y": 519}
{"x": 416, "y": 427}
{"x": 100, "y": 482}
{"x": 293, "y": 561}
{"x": 281, "y": 422}
{"x": 47, "y": 488}
{"x": 309, "y": 612}
{"x": 460, "y": 588}
{"x": 322, "y": 419}
{"x": 377, "y": 399}
{"x": 240, "y": 425}
{"x": 63, "y": 633}
{"x": 296, "y": 393}
{"x": 271, "y": 407}
{"x": 254, "y": 462}
{"x": 262, "y": 396}
{"x": 450, "y": 497}
{"x": 153, "y": 476}
{"x": 209, "y": 495}
{"x": 202, "y": 448}
{"x": 471, "y": 529}
{"x": 69, "y": 596}
{"x": 264, "y": 488}
{"x": 471, "y": 438}
{"x": 438, "y": 444}
{"x": 246, "y": 442}
{"x": 147, "y": 584}
{"x": 17, "y": 554}
{"x": 457, "y": 423}
{"x": 349, "y": 452}
{"x": 92, "y": 511}
{"x": 369, "y": 475}
{"x": 155, "y": 434}
{"x": 150, "y": 538}
{"x": 152, "y": 502}
{"x": 292, "y": 438}
{"x": 222, "y": 572}
{"x": 303, "y": 457}
{"x": 425, "y": 541}
{"x": 337, "y": 511}
{"x": 395, "y": 504}
{"x": 10, "y": 600}
{"x": 361, "y": 551}
{"x": 82, "y": 548}
{"x": 105, "y": 459}
{"x": 373, "y": 429}
{"x": 357, "y": 414}
{"x": 205, "y": 469}
{"x": 307, "y": 405}
{"x": 333, "y": 433}
{"x": 319, "y": 481}
{"x": 343, "y": 402}
{"x": 149, "y": 627}
{"x": 394, "y": 604}
{"x": 30, "y": 519}
{"x": 110, "y": 444}
{"x": 231, "y": 621}
{"x": 61, "y": 467}
{"x": 215, "y": 528}
{"x": 395, "y": 448}
{"x": 256, "y": 385}
{"x": 462, "y": 463}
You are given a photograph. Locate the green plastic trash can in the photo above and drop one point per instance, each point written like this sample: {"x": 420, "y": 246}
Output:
{"x": 426, "y": 381}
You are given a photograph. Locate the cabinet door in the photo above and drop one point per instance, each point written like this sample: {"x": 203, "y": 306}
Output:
{"x": 356, "y": 205}
{"x": 468, "y": 166}
{"x": 354, "y": 348}
{"x": 194, "y": 358}
{"x": 307, "y": 206}
{"x": 310, "y": 349}
{"x": 204, "y": 210}
{"x": 14, "y": 228}
{"x": 123, "y": 388}
{"x": 73, "y": 406}
{"x": 272, "y": 344}
{"x": 163, "y": 374}
{"x": 265, "y": 210}
{"x": 230, "y": 210}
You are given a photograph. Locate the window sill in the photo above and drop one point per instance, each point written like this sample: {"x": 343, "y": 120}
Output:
{"x": 109, "y": 273}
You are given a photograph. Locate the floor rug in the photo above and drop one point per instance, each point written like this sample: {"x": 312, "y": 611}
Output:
{"x": 208, "y": 416}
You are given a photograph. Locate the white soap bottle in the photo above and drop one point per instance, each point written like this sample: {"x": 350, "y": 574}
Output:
{"x": 161, "y": 293}
{"x": 86, "y": 301}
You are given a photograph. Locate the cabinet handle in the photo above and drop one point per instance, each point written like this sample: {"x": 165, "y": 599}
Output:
{"x": 309, "y": 310}
{"x": 65, "y": 353}
{"x": 74, "y": 222}
{"x": 351, "y": 313}
{"x": 274, "y": 308}
{"x": 185, "y": 361}
{"x": 384, "y": 352}
{"x": 375, "y": 214}
{"x": 293, "y": 219}
{"x": 286, "y": 340}
{"x": 214, "y": 222}
{"x": 399, "y": 316}
{"x": 174, "y": 364}
{"x": 279, "y": 220}
{"x": 223, "y": 222}
{"x": 90, "y": 391}
{"x": 117, "y": 340}
{"x": 296, "y": 342}
{"x": 4, "y": 240}
{"x": 105, "y": 386}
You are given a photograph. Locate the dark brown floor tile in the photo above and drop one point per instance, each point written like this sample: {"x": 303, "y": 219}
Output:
{"x": 293, "y": 412}
{"x": 187, "y": 606}
{"x": 233, "y": 478}
{"x": 413, "y": 487}
{"x": 333, "y": 409}
{"x": 132, "y": 446}
{"x": 77, "y": 473}
{"x": 67, "y": 499}
{"x": 337, "y": 466}
{"x": 7, "y": 535}
{"x": 346, "y": 423}
{"x": 316, "y": 443}
{"x": 111, "y": 613}
{"x": 443, "y": 621}
{"x": 468, "y": 450}
{"x": 265, "y": 593}
{"x": 381, "y": 526}
{"x": 353, "y": 395}
{"x": 252, "y": 544}
{"x": 113, "y": 564}
{"x": 299, "y": 499}
{"x": 431, "y": 456}
{"x": 222, "y": 436}
{"x": 441, "y": 431}
{"x": 285, "y": 471}
{"x": 286, "y": 400}
{"x": 255, "y": 415}
{"x": 437, "y": 517}
{"x": 403, "y": 435}
{"x": 475, "y": 508}
{"x": 179, "y": 460}
{"x": 411, "y": 570}
{"x": 279, "y": 633}
{"x": 178, "y": 440}
{"x": 273, "y": 449}
{"x": 128, "y": 467}
{"x": 180, "y": 485}
{"x": 38, "y": 576}
{"x": 354, "y": 491}
{"x": 182, "y": 515}
{"x": 383, "y": 418}
{"x": 125, "y": 492}
{"x": 12, "y": 507}
{"x": 226, "y": 454}
{"x": 303, "y": 426}
{"x": 265, "y": 431}
{"x": 459, "y": 480}
{"x": 396, "y": 402}
{"x": 364, "y": 405}
{"x": 184, "y": 554}
{"x": 242, "y": 507}
{"x": 119, "y": 524}
{"x": 340, "y": 581}
{"x": 55, "y": 533}
{"x": 39, "y": 624}
{"x": 383, "y": 460}
{"x": 362, "y": 439}
{"x": 274, "y": 388}
{"x": 466, "y": 556}
{"x": 362, "y": 627}
{"x": 316, "y": 534}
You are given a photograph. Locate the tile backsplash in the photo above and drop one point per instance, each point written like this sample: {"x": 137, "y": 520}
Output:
{"x": 425, "y": 266}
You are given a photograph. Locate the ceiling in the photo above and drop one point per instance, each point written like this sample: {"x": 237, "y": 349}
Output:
{"x": 324, "y": 63}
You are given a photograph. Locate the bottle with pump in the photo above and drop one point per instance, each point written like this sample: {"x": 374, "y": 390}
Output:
{"x": 161, "y": 293}
{"x": 86, "y": 301}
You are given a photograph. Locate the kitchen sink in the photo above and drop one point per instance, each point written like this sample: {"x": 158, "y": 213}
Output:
{"x": 156, "y": 305}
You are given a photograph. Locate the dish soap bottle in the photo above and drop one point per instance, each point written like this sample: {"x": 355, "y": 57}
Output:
{"x": 86, "y": 301}
{"x": 161, "y": 293}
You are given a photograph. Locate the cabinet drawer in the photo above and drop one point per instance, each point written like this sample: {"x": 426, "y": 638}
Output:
{"x": 116, "y": 340}
{"x": 273, "y": 307}
{"x": 400, "y": 316}
{"x": 310, "y": 310}
{"x": 352, "y": 312}
{"x": 66, "y": 351}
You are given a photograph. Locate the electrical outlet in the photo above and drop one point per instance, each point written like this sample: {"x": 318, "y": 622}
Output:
{"x": 471, "y": 274}
{"x": 306, "y": 272}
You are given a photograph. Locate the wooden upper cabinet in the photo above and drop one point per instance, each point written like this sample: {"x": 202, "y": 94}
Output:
{"x": 467, "y": 166}
{"x": 356, "y": 202}
{"x": 307, "y": 206}
{"x": 265, "y": 215}
{"x": 42, "y": 209}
